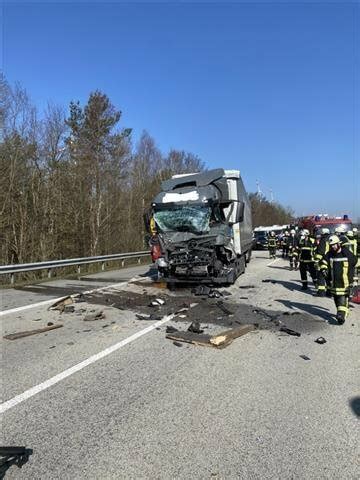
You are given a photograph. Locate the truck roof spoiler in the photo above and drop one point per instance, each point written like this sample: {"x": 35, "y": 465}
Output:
{"x": 193, "y": 180}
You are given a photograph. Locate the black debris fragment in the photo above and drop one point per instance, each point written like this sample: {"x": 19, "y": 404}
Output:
{"x": 320, "y": 340}
{"x": 104, "y": 326}
{"x": 246, "y": 286}
{"x": 215, "y": 294}
{"x": 52, "y": 346}
{"x": 178, "y": 344}
{"x": 70, "y": 343}
{"x": 290, "y": 332}
{"x": 171, "y": 329}
{"x": 201, "y": 290}
{"x": 69, "y": 309}
{"x": 87, "y": 330}
{"x": 142, "y": 317}
{"x": 50, "y": 323}
{"x": 80, "y": 298}
{"x": 268, "y": 280}
{"x": 195, "y": 327}
{"x": 154, "y": 316}
{"x": 304, "y": 357}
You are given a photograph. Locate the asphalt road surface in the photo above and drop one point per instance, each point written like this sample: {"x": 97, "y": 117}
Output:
{"x": 113, "y": 398}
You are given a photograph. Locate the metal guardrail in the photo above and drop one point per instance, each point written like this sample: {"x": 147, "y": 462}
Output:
{"x": 50, "y": 265}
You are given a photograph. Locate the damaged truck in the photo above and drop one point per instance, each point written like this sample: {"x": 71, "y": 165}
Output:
{"x": 203, "y": 227}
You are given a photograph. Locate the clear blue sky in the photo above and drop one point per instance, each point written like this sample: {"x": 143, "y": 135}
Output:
{"x": 269, "y": 88}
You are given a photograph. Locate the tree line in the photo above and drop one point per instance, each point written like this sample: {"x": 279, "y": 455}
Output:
{"x": 72, "y": 182}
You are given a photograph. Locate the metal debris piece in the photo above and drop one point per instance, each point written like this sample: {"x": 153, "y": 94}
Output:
{"x": 201, "y": 290}
{"x": 320, "y": 340}
{"x": 290, "y": 332}
{"x": 304, "y": 357}
{"x": 157, "y": 302}
{"x": 15, "y": 336}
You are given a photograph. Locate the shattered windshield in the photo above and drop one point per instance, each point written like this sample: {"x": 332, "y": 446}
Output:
{"x": 194, "y": 218}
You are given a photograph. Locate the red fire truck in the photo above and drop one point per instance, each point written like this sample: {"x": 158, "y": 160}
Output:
{"x": 314, "y": 223}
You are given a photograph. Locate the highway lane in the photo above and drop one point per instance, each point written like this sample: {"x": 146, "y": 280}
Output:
{"x": 253, "y": 410}
{"x": 39, "y": 292}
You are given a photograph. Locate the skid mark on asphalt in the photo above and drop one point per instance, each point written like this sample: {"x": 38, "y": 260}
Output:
{"x": 76, "y": 368}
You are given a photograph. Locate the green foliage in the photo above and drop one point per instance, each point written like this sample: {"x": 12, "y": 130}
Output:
{"x": 266, "y": 213}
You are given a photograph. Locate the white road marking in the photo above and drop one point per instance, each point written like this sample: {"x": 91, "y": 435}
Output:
{"x": 271, "y": 263}
{"x": 76, "y": 368}
{"x": 54, "y": 300}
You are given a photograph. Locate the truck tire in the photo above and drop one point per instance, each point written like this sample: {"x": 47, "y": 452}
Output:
{"x": 248, "y": 256}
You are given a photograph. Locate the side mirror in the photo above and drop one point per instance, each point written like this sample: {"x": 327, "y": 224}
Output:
{"x": 240, "y": 207}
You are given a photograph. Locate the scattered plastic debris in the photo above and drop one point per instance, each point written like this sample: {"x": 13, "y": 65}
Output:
{"x": 195, "y": 327}
{"x": 320, "y": 340}
{"x": 290, "y": 332}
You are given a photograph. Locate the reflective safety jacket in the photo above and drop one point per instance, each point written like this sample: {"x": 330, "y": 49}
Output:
{"x": 345, "y": 241}
{"x": 322, "y": 248}
{"x": 272, "y": 243}
{"x": 306, "y": 248}
{"x": 353, "y": 246}
{"x": 340, "y": 267}
{"x": 292, "y": 244}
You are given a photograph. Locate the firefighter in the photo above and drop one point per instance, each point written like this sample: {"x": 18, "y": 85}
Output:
{"x": 272, "y": 243}
{"x": 354, "y": 248}
{"x": 293, "y": 254}
{"x": 285, "y": 244}
{"x": 305, "y": 248}
{"x": 321, "y": 250}
{"x": 342, "y": 234}
{"x": 339, "y": 265}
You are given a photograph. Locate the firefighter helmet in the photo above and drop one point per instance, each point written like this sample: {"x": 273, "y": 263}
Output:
{"x": 292, "y": 232}
{"x": 325, "y": 231}
{"x": 272, "y": 233}
{"x": 340, "y": 229}
{"x": 350, "y": 234}
{"x": 355, "y": 230}
{"x": 305, "y": 232}
{"x": 334, "y": 239}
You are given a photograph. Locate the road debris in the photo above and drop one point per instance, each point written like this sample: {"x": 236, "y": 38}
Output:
{"x": 268, "y": 280}
{"x": 320, "y": 340}
{"x": 50, "y": 323}
{"x": 290, "y": 332}
{"x": 177, "y": 344}
{"x": 157, "y": 302}
{"x": 195, "y": 327}
{"x": 304, "y": 357}
{"x": 171, "y": 329}
{"x": 15, "y": 336}
{"x": 69, "y": 309}
{"x": 221, "y": 340}
{"x": 60, "y": 304}
{"x": 98, "y": 315}
{"x": 246, "y": 286}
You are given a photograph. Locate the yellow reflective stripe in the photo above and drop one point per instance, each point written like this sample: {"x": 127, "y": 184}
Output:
{"x": 321, "y": 287}
{"x": 342, "y": 309}
{"x": 345, "y": 274}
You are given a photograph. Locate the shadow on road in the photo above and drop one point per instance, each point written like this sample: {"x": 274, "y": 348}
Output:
{"x": 292, "y": 286}
{"x": 311, "y": 309}
{"x": 355, "y": 405}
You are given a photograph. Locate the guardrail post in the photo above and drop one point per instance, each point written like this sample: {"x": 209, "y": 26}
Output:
{"x": 12, "y": 279}
{"x": 122, "y": 263}
{"x": 49, "y": 272}
{"x": 103, "y": 266}
{"x": 78, "y": 269}
{"x": 139, "y": 260}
